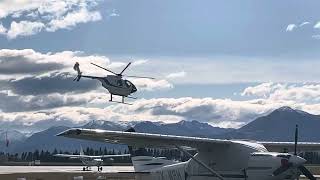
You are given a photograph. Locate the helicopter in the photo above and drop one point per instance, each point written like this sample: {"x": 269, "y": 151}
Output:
{"x": 115, "y": 83}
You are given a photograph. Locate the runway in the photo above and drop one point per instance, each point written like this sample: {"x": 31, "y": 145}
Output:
{"x": 65, "y": 173}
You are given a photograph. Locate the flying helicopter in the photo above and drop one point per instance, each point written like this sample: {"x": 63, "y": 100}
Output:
{"x": 115, "y": 83}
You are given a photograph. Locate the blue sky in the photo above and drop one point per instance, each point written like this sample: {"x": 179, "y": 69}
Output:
{"x": 248, "y": 57}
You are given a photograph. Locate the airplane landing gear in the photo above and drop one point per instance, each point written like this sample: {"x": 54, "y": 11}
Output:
{"x": 85, "y": 168}
{"x": 99, "y": 168}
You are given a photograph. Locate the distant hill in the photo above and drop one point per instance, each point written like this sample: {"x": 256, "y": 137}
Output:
{"x": 183, "y": 128}
{"x": 279, "y": 125}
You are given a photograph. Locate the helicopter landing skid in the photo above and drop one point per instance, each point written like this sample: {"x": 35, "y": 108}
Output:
{"x": 132, "y": 97}
{"x": 120, "y": 102}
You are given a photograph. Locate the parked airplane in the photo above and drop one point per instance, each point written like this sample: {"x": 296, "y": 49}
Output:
{"x": 90, "y": 161}
{"x": 217, "y": 159}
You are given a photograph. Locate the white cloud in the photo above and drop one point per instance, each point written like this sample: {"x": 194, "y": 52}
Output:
{"x": 304, "y": 23}
{"x": 276, "y": 92}
{"x": 317, "y": 25}
{"x": 24, "y": 28}
{"x": 139, "y": 62}
{"x": 47, "y": 15}
{"x": 150, "y": 84}
{"x": 291, "y": 27}
{"x": 180, "y": 74}
{"x": 261, "y": 90}
{"x": 3, "y": 30}
{"x": 72, "y": 19}
{"x": 317, "y": 36}
{"x": 114, "y": 13}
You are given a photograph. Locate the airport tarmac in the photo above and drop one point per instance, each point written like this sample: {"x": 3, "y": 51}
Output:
{"x": 65, "y": 173}
{"x": 71, "y": 169}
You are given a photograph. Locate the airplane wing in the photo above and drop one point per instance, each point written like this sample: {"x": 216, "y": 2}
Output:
{"x": 144, "y": 139}
{"x": 92, "y": 157}
{"x": 68, "y": 156}
{"x": 289, "y": 146}
{"x": 115, "y": 155}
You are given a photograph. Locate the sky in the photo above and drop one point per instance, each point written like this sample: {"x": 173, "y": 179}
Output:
{"x": 220, "y": 62}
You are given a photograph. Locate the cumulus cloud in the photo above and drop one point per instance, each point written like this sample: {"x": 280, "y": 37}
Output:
{"x": 74, "y": 18}
{"x": 114, "y": 13}
{"x": 36, "y": 16}
{"x": 317, "y": 25}
{"x": 3, "y": 30}
{"x": 291, "y": 27}
{"x": 24, "y": 28}
{"x": 150, "y": 84}
{"x": 261, "y": 90}
{"x": 276, "y": 92}
{"x": 304, "y": 23}
{"x": 176, "y": 75}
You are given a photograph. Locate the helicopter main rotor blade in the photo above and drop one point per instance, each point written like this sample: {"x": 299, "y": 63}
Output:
{"x": 104, "y": 68}
{"x": 140, "y": 77}
{"x": 125, "y": 68}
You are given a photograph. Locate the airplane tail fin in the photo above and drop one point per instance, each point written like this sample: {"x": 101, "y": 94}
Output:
{"x": 142, "y": 159}
{"x": 81, "y": 151}
{"x": 76, "y": 67}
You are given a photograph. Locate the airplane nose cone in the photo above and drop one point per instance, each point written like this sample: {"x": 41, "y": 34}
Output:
{"x": 297, "y": 160}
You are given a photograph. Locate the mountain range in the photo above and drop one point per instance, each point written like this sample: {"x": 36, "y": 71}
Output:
{"x": 279, "y": 125}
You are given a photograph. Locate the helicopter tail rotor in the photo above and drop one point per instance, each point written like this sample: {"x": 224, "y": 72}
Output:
{"x": 76, "y": 67}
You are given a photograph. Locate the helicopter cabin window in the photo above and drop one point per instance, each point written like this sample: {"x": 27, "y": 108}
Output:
{"x": 119, "y": 83}
{"x": 128, "y": 84}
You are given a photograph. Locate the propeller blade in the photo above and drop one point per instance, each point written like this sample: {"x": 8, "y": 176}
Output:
{"x": 125, "y": 68}
{"x": 281, "y": 170}
{"x": 140, "y": 77}
{"x": 296, "y": 140}
{"x": 306, "y": 172}
{"x": 104, "y": 69}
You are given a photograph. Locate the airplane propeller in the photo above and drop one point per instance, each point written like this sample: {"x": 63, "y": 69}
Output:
{"x": 286, "y": 164}
{"x": 302, "y": 168}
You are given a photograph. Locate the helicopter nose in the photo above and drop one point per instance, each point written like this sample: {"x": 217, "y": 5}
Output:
{"x": 134, "y": 89}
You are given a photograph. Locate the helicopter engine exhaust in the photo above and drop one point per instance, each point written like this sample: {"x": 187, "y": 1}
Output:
{"x": 76, "y": 67}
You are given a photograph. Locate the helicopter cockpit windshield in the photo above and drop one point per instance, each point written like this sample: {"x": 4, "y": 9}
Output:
{"x": 129, "y": 84}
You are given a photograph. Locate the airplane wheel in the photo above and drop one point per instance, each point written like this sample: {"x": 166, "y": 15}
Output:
{"x": 100, "y": 168}
{"x": 84, "y": 169}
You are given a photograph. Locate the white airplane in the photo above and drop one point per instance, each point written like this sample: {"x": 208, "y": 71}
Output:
{"x": 90, "y": 161}
{"x": 216, "y": 159}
